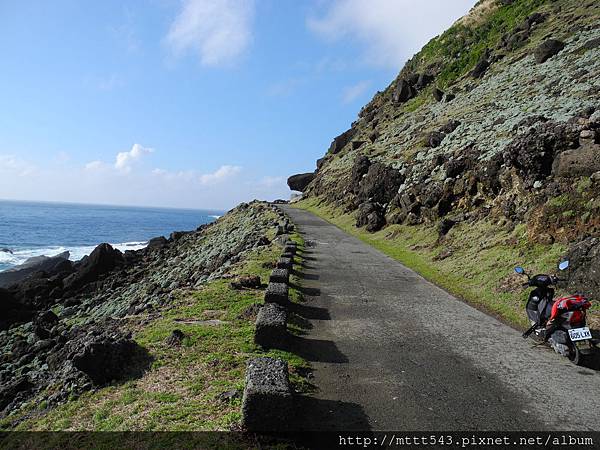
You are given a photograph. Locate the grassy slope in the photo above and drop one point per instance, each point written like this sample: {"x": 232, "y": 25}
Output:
{"x": 181, "y": 390}
{"x": 479, "y": 269}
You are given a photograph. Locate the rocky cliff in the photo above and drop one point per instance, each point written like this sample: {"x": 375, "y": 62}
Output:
{"x": 497, "y": 120}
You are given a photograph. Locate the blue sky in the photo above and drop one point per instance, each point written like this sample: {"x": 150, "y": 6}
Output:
{"x": 193, "y": 103}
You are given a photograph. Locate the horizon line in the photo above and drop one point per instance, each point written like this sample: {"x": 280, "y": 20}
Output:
{"x": 58, "y": 202}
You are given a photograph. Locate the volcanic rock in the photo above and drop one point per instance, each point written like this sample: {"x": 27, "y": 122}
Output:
{"x": 300, "y": 182}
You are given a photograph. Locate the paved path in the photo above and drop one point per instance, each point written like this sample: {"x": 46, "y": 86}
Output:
{"x": 391, "y": 351}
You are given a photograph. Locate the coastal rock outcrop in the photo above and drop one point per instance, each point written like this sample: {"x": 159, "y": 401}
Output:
{"x": 300, "y": 182}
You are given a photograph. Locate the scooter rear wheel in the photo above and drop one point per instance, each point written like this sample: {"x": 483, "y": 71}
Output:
{"x": 575, "y": 355}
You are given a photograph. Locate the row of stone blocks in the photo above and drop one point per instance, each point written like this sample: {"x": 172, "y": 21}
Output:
{"x": 267, "y": 404}
{"x": 271, "y": 323}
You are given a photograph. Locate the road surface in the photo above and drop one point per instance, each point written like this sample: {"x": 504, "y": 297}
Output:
{"x": 391, "y": 351}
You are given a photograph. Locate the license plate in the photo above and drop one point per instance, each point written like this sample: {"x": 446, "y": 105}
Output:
{"x": 580, "y": 334}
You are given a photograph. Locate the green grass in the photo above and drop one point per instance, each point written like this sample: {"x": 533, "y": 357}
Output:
{"x": 459, "y": 48}
{"x": 180, "y": 392}
{"x": 480, "y": 268}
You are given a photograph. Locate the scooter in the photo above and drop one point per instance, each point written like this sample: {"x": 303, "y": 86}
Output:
{"x": 560, "y": 322}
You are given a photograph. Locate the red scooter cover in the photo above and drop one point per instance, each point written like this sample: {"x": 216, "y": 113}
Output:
{"x": 575, "y": 303}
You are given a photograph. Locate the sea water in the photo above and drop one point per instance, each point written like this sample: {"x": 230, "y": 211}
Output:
{"x": 30, "y": 229}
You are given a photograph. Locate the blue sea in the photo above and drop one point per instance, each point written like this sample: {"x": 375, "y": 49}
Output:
{"x": 30, "y": 229}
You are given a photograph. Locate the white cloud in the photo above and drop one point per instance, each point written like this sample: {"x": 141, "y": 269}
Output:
{"x": 125, "y": 160}
{"x": 95, "y": 165}
{"x": 15, "y": 165}
{"x": 218, "y": 30}
{"x": 221, "y": 174}
{"x": 355, "y": 91}
{"x": 269, "y": 181}
{"x": 391, "y": 30}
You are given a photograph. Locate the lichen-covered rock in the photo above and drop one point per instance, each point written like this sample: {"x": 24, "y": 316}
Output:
{"x": 359, "y": 170}
{"x": 548, "y": 49}
{"x": 341, "y": 141}
{"x": 380, "y": 184}
{"x": 532, "y": 153}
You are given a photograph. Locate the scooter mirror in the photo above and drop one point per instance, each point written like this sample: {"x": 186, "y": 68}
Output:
{"x": 563, "y": 265}
{"x": 519, "y": 270}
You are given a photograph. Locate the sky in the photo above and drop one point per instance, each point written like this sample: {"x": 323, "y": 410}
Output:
{"x": 190, "y": 103}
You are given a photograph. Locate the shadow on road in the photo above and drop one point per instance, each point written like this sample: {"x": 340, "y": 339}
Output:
{"x": 307, "y": 291}
{"x": 310, "y": 312}
{"x": 314, "y": 414}
{"x": 316, "y": 350}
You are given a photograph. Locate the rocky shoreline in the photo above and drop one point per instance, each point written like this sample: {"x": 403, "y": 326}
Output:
{"x": 66, "y": 329}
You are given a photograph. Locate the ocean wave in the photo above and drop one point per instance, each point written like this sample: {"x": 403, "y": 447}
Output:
{"x": 216, "y": 217}
{"x": 19, "y": 256}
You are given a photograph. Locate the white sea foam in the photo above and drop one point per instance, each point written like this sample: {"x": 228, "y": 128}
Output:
{"x": 19, "y": 256}
{"x": 216, "y": 217}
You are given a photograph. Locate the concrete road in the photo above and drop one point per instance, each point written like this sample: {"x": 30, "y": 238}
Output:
{"x": 391, "y": 351}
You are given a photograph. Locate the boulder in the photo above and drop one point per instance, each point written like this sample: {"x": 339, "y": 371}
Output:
{"x": 583, "y": 274}
{"x": 450, "y": 126}
{"x": 445, "y": 226}
{"x": 438, "y": 95}
{"x": 9, "y": 392}
{"x": 532, "y": 153}
{"x": 403, "y": 92}
{"x": 300, "y": 182}
{"x": 271, "y": 326}
{"x": 321, "y": 162}
{"x": 102, "y": 353}
{"x": 44, "y": 323}
{"x": 47, "y": 264}
{"x": 247, "y": 282}
{"x": 175, "y": 338}
{"x": 434, "y": 139}
{"x": 547, "y": 50}
{"x": 157, "y": 243}
{"x": 277, "y": 293}
{"x": 583, "y": 161}
{"x": 357, "y": 144}
{"x": 380, "y": 184}
{"x": 423, "y": 81}
{"x": 12, "y": 311}
{"x": 267, "y": 403}
{"x": 359, "y": 169}
{"x": 370, "y": 215}
{"x": 102, "y": 260}
{"x": 480, "y": 68}
{"x": 341, "y": 141}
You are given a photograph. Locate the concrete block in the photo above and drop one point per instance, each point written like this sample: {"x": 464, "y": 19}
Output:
{"x": 288, "y": 255}
{"x": 267, "y": 404}
{"x": 277, "y": 293}
{"x": 271, "y": 326}
{"x": 280, "y": 276}
{"x": 284, "y": 263}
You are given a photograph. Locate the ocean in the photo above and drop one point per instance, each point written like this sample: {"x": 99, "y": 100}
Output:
{"x": 30, "y": 229}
